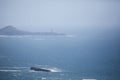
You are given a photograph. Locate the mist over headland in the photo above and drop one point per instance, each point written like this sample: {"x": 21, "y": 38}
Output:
{"x": 91, "y": 51}
{"x": 71, "y": 16}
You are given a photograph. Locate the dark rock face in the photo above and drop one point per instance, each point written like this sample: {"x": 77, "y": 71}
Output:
{"x": 40, "y": 69}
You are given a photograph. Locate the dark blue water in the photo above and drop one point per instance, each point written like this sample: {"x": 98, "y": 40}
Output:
{"x": 78, "y": 57}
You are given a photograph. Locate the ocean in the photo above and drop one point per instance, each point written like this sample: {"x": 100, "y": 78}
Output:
{"x": 73, "y": 57}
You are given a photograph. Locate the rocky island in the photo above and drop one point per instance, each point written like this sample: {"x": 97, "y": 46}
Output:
{"x": 11, "y": 30}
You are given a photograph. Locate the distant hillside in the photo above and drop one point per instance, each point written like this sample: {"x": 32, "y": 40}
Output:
{"x": 11, "y": 30}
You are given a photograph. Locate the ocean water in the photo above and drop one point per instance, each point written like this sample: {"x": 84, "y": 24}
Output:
{"x": 73, "y": 57}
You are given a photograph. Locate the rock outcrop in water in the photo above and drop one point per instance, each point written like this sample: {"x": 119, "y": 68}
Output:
{"x": 40, "y": 69}
{"x": 11, "y": 30}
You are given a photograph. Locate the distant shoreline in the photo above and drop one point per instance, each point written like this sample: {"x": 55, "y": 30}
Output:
{"x": 11, "y": 30}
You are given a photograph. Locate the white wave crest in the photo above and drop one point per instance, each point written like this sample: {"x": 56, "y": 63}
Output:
{"x": 55, "y": 70}
{"x": 89, "y": 79}
{"x": 10, "y": 70}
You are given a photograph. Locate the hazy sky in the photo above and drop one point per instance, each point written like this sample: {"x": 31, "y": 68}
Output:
{"x": 59, "y": 14}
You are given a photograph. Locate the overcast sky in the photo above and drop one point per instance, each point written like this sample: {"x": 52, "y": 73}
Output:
{"x": 59, "y": 14}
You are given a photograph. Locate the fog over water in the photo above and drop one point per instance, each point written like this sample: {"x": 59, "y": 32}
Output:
{"x": 89, "y": 50}
{"x": 60, "y": 15}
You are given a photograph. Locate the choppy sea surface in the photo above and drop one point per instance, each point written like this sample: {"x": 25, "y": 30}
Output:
{"x": 72, "y": 57}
